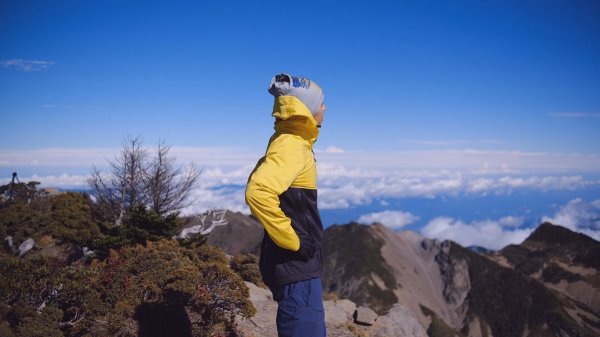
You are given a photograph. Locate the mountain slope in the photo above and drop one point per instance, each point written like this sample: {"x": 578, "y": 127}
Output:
{"x": 240, "y": 234}
{"x": 564, "y": 261}
{"x": 546, "y": 286}
{"x": 353, "y": 267}
{"x": 449, "y": 287}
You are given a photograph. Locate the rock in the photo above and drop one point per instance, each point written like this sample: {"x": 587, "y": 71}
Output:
{"x": 67, "y": 253}
{"x": 334, "y": 315}
{"x": 258, "y": 294}
{"x": 263, "y": 323}
{"x": 365, "y": 316}
{"x": 9, "y": 244}
{"x": 399, "y": 322}
{"x": 348, "y": 306}
{"x": 26, "y": 246}
{"x": 339, "y": 315}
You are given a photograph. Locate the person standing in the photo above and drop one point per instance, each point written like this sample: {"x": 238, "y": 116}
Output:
{"x": 282, "y": 194}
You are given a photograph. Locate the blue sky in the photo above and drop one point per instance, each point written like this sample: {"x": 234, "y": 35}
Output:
{"x": 476, "y": 90}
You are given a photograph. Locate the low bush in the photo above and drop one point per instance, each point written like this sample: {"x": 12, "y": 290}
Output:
{"x": 160, "y": 289}
{"x": 246, "y": 265}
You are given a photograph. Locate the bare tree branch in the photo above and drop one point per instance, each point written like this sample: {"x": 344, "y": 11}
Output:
{"x": 216, "y": 217}
{"x": 135, "y": 179}
{"x": 168, "y": 185}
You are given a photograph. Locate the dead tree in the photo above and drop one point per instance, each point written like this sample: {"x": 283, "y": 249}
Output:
{"x": 135, "y": 180}
{"x": 123, "y": 188}
{"x": 169, "y": 186}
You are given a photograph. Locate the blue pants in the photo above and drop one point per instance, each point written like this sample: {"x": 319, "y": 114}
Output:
{"x": 300, "y": 310}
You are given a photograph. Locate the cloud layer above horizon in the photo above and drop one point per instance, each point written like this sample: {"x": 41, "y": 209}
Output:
{"x": 349, "y": 179}
{"x": 577, "y": 215}
{"x": 346, "y": 178}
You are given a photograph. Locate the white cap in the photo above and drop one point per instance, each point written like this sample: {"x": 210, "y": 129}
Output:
{"x": 307, "y": 91}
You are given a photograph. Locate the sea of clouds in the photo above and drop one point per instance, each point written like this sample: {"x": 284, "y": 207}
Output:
{"x": 348, "y": 179}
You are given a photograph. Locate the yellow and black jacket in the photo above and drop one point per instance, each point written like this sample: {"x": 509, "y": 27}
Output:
{"x": 282, "y": 195}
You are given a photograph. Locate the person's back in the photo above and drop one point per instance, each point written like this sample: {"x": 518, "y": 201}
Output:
{"x": 282, "y": 194}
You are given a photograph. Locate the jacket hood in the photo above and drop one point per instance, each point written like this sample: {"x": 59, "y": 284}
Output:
{"x": 292, "y": 116}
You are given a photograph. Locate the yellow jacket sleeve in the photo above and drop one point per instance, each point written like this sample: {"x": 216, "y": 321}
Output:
{"x": 285, "y": 159}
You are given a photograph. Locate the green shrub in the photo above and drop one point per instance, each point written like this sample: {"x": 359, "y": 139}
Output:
{"x": 161, "y": 278}
{"x": 143, "y": 284}
{"x": 139, "y": 225}
{"x": 41, "y": 297}
{"x": 190, "y": 292}
{"x": 246, "y": 265}
{"x": 66, "y": 217}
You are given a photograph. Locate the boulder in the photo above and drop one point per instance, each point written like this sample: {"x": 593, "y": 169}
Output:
{"x": 334, "y": 315}
{"x": 348, "y": 306}
{"x": 339, "y": 316}
{"x": 365, "y": 316}
{"x": 26, "y": 246}
{"x": 263, "y": 323}
{"x": 399, "y": 322}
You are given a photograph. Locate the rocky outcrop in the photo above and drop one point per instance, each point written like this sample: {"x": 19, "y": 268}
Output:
{"x": 452, "y": 290}
{"x": 339, "y": 319}
{"x": 263, "y": 322}
{"x": 428, "y": 275}
{"x": 339, "y": 311}
{"x": 353, "y": 267}
{"x": 398, "y": 322}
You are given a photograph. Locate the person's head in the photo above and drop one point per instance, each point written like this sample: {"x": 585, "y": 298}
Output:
{"x": 307, "y": 91}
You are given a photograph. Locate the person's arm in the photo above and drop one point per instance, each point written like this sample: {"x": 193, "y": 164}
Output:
{"x": 283, "y": 162}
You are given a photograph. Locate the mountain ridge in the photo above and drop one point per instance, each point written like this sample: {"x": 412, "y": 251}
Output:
{"x": 546, "y": 286}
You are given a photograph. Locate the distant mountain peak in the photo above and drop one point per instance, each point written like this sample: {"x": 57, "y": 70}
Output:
{"x": 555, "y": 234}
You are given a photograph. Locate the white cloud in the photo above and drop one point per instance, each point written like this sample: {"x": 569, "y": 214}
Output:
{"x": 511, "y": 221}
{"x": 506, "y": 184}
{"x": 481, "y": 162}
{"x": 218, "y": 188}
{"x": 342, "y": 187}
{"x": 26, "y": 65}
{"x": 344, "y": 179}
{"x": 217, "y": 198}
{"x": 474, "y": 162}
{"x": 487, "y": 233}
{"x": 331, "y": 149}
{"x": 578, "y": 215}
{"x": 391, "y": 219}
{"x": 221, "y": 188}
{"x": 61, "y": 181}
